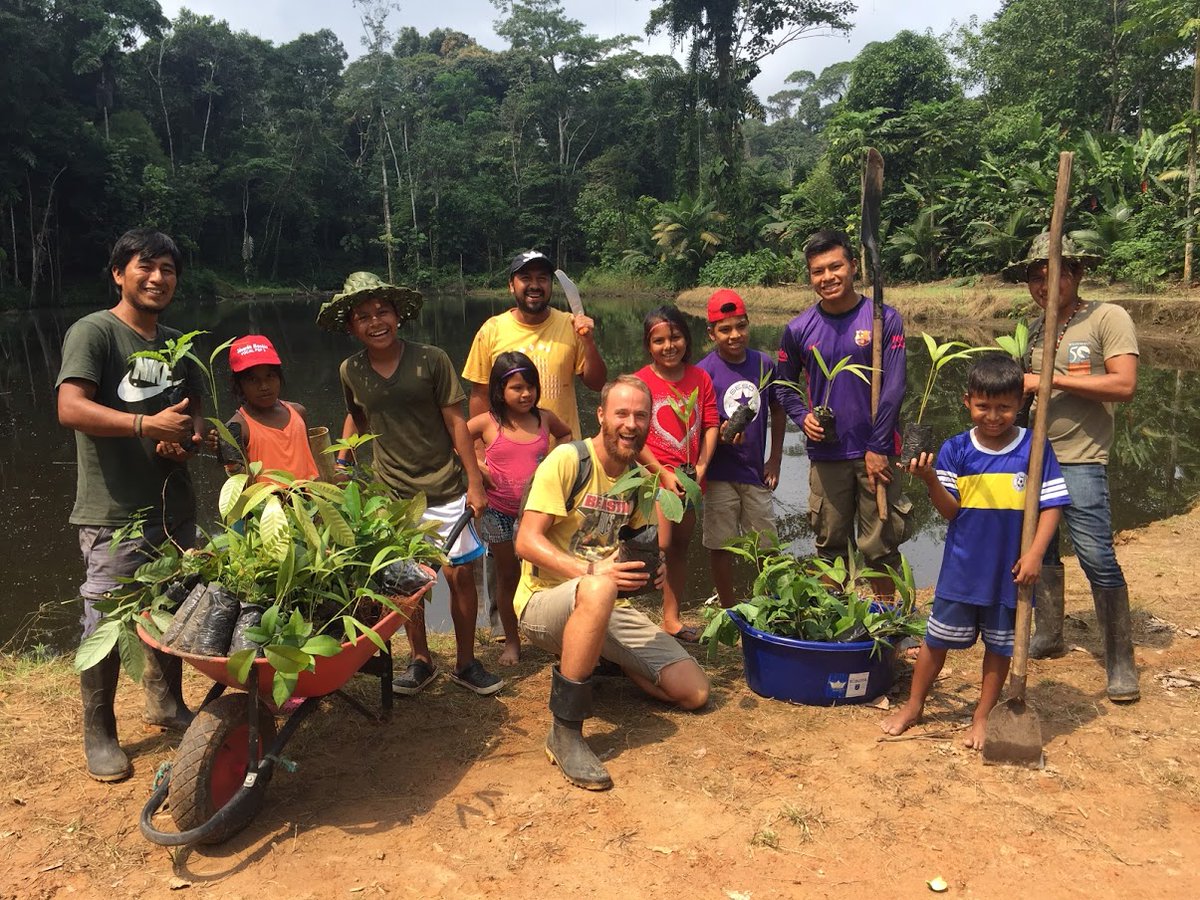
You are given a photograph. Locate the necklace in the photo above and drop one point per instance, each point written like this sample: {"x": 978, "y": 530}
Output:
{"x": 1067, "y": 324}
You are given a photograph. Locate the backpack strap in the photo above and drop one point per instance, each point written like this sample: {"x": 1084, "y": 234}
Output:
{"x": 583, "y": 474}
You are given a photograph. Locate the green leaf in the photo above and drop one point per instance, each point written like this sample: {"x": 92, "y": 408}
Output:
{"x": 231, "y": 492}
{"x": 322, "y": 645}
{"x": 130, "y": 648}
{"x": 97, "y": 645}
{"x": 240, "y": 664}
{"x": 282, "y": 686}
{"x": 671, "y": 505}
{"x": 340, "y": 531}
{"x": 307, "y": 528}
{"x": 372, "y": 636}
{"x": 287, "y": 572}
{"x": 288, "y": 660}
{"x": 275, "y": 530}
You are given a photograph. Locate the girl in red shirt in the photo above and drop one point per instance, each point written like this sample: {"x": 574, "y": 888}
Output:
{"x": 683, "y": 434}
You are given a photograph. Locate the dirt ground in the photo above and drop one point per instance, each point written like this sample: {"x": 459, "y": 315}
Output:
{"x": 751, "y": 798}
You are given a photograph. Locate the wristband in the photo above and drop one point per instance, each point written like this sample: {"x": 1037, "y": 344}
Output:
{"x": 137, "y": 424}
{"x": 341, "y": 461}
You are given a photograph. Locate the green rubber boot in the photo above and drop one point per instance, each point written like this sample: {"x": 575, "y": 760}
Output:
{"x": 571, "y": 704}
{"x": 106, "y": 761}
{"x": 162, "y": 680}
{"x": 1112, "y": 612}
{"x": 1048, "y": 611}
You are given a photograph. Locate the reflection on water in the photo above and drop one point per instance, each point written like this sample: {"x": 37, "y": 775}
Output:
{"x": 1155, "y": 471}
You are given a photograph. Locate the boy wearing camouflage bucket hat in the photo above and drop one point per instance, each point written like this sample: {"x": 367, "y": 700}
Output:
{"x": 1095, "y": 367}
{"x": 408, "y": 394}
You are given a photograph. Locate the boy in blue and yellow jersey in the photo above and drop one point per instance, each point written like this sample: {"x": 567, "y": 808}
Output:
{"x": 978, "y": 485}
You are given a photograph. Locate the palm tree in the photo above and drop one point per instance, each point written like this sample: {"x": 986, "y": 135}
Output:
{"x": 684, "y": 230}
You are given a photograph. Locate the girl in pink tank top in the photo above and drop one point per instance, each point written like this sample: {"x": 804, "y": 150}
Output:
{"x": 267, "y": 429}
{"x": 516, "y": 436}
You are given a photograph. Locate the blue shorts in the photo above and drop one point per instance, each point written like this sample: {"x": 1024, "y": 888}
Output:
{"x": 955, "y": 626}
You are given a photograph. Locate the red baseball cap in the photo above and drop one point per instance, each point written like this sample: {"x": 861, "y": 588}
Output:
{"x": 250, "y": 351}
{"x": 723, "y": 304}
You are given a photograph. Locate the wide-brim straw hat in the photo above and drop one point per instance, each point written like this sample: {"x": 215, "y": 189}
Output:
{"x": 362, "y": 286}
{"x": 1039, "y": 251}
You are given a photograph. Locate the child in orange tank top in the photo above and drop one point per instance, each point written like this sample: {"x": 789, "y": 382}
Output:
{"x": 268, "y": 430}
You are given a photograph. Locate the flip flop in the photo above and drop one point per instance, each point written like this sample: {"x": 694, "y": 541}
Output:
{"x": 687, "y": 635}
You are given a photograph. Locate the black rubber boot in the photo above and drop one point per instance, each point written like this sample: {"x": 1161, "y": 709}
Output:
{"x": 1112, "y": 612}
{"x": 106, "y": 761}
{"x": 571, "y": 704}
{"x": 162, "y": 680}
{"x": 1047, "y": 640}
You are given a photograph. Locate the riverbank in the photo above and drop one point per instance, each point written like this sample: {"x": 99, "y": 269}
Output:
{"x": 750, "y": 798}
{"x": 1171, "y": 314}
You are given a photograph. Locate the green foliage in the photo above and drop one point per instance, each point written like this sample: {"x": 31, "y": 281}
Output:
{"x": 1016, "y": 344}
{"x": 308, "y": 551}
{"x": 893, "y": 75}
{"x": 814, "y": 600}
{"x": 646, "y": 491}
{"x": 760, "y": 267}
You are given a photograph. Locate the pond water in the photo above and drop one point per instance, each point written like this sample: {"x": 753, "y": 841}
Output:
{"x": 1155, "y": 473}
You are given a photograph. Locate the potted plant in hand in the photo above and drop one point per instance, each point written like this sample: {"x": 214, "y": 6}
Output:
{"x": 645, "y": 490}
{"x": 809, "y": 632}
{"x": 918, "y": 438}
{"x": 822, "y": 411}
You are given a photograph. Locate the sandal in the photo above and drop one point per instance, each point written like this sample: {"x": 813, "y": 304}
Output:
{"x": 688, "y": 634}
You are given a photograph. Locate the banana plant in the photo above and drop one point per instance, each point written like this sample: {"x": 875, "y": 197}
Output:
{"x": 1016, "y": 344}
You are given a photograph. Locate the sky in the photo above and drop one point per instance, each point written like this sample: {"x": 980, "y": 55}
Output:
{"x": 876, "y": 20}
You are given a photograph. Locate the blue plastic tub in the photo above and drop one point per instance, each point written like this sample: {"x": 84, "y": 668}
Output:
{"x": 813, "y": 672}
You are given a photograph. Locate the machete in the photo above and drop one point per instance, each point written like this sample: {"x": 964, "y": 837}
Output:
{"x": 572, "y": 293}
{"x": 872, "y": 197}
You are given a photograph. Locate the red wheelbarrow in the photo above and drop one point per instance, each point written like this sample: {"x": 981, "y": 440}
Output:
{"x": 218, "y": 780}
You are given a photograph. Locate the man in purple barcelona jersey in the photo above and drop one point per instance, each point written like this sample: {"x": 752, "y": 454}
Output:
{"x": 740, "y": 483}
{"x": 843, "y": 472}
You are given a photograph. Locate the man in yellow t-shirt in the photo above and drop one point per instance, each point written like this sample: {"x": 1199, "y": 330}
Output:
{"x": 561, "y": 345}
{"x": 571, "y": 576}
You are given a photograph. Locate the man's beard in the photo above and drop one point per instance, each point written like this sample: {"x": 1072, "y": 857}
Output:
{"x": 617, "y": 451}
{"x": 533, "y": 307}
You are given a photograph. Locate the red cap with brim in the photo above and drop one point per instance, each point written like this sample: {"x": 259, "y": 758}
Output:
{"x": 250, "y": 351}
{"x": 723, "y": 304}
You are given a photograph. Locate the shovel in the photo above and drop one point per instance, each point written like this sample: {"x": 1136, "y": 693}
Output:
{"x": 1014, "y": 732}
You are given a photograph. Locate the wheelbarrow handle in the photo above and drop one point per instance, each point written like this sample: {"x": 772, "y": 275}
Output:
{"x": 459, "y": 524}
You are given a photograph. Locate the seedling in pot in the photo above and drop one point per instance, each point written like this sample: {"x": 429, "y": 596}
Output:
{"x": 814, "y": 600}
{"x": 645, "y": 490}
{"x": 744, "y": 414}
{"x": 173, "y": 353}
{"x": 822, "y": 411}
{"x": 918, "y": 438}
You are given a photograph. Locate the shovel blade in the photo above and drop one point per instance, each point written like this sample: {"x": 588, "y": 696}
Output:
{"x": 1013, "y": 735}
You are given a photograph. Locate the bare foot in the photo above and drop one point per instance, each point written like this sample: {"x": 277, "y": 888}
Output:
{"x": 511, "y": 655}
{"x": 901, "y": 720}
{"x": 973, "y": 739}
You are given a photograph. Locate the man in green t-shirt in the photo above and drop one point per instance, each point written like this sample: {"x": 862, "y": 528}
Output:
{"x": 1095, "y": 368}
{"x": 133, "y": 419}
{"x": 571, "y": 576}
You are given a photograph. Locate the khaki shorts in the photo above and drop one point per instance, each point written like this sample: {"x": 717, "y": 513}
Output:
{"x": 633, "y": 642}
{"x": 732, "y": 509}
{"x": 841, "y": 507}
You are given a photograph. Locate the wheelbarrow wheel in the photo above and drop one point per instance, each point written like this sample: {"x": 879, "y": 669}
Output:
{"x": 211, "y": 765}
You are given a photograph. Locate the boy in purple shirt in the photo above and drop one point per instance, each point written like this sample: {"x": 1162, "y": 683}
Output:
{"x": 738, "y": 498}
{"x": 843, "y": 473}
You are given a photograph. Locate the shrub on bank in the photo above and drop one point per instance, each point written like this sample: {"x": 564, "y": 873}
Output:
{"x": 762, "y": 267}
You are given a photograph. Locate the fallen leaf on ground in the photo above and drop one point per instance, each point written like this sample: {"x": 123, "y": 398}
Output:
{"x": 881, "y": 703}
{"x": 738, "y": 895}
{"x": 176, "y": 883}
{"x": 665, "y": 851}
{"x": 938, "y": 885}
